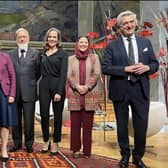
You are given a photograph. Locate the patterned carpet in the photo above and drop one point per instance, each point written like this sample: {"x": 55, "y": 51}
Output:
{"x": 63, "y": 159}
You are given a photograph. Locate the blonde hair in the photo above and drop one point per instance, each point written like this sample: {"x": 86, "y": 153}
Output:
{"x": 47, "y": 34}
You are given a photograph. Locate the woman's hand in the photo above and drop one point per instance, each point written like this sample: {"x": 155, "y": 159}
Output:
{"x": 82, "y": 89}
{"x": 57, "y": 98}
{"x": 11, "y": 99}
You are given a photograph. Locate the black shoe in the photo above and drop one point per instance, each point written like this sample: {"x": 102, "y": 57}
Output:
{"x": 15, "y": 148}
{"x": 4, "y": 159}
{"x": 29, "y": 150}
{"x": 53, "y": 153}
{"x": 124, "y": 162}
{"x": 139, "y": 163}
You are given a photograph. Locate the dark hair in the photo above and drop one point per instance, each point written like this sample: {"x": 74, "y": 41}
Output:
{"x": 83, "y": 37}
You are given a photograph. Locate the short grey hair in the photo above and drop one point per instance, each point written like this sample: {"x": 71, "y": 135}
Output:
{"x": 21, "y": 29}
{"x": 125, "y": 13}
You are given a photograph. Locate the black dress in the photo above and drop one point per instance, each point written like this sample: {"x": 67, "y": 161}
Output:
{"x": 8, "y": 116}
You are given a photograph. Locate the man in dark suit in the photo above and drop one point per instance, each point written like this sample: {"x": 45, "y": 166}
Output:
{"x": 26, "y": 63}
{"x": 128, "y": 61}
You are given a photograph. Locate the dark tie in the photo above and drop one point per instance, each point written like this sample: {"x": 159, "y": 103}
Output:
{"x": 22, "y": 51}
{"x": 131, "y": 58}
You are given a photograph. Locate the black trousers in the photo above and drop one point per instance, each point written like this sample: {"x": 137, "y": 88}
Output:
{"x": 140, "y": 108}
{"x": 25, "y": 113}
{"x": 46, "y": 96}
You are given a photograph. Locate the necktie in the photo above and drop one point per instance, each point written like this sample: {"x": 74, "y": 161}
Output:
{"x": 131, "y": 58}
{"x": 22, "y": 51}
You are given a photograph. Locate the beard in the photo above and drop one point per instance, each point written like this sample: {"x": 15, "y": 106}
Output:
{"x": 23, "y": 46}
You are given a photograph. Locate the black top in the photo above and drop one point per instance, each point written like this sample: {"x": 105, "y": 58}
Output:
{"x": 55, "y": 65}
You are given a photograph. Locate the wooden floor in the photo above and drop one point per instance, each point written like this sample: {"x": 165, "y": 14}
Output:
{"x": 156, "y": 155}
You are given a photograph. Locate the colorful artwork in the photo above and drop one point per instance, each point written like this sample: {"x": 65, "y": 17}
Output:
{"x": 38, "y": 17}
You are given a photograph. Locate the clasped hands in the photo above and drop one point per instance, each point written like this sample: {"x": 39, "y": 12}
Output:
{"x": 137, "y": 69}
{"x": 82, "y": 89}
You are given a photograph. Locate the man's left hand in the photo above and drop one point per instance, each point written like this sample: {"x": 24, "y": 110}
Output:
{"x": 140, "y": 68}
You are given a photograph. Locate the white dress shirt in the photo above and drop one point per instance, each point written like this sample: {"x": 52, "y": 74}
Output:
{"x": 135, "y": 48}
{"x": 19, "y": 51}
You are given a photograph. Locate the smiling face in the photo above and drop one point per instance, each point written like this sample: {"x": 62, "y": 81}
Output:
{"x": 52, "y": 39}
{"x": 128, "y": 25}
{"x": 83, "y": 44}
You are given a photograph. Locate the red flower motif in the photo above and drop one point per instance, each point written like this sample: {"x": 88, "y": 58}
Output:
{"x": 154, "y": 75}
{"x": 99, "y": 45}
{"x": 161, "y": 53}
{"x": 93, "y": 35}
{"x": 111, "y": 36}
{"x": 148, "y": 24}
{"x": 145, "y": 33}
{"x": 111, "y": 22}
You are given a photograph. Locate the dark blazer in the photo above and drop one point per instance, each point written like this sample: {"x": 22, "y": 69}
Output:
{"x": 7, "y": 75}
{"x": 27, "y": 73}
{"x": 115, "y": 59}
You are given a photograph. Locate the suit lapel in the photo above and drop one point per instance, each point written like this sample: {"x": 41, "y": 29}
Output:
{"x": 122, "y": 49}
{"x": 28, "y": 54}
{"x": 16, "y": 56}
{"x": 140, "y": 49}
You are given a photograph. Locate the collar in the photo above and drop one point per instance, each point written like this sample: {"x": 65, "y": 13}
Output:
{"x": 125, "y": 38}
{"x": 19, "y": 49}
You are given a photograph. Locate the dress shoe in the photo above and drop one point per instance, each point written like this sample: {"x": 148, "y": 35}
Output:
{"x": 86, "y": 156}
{"x": 139, "y": 163}
{"x": 82, "y": 154}
{"x": 54, "y": 149}
{"x": 76, "y": 155}
{"x": 15, "y": 148}
{"x": 4, "y": 159}
{"x": 124, "y": 162}
{"x": 53, "y": 153}
{"x": 46, "y": 147}
{"x": 29, "y": 150}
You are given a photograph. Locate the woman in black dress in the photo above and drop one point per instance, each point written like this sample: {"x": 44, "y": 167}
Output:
{"x": 52, "y": 87}
{"x": 8, "y": 116}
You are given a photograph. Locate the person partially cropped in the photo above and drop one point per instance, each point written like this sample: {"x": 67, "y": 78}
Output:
{"x": 8, "y": 116}
{"x": 52, "y": 88}
{"x": 83, "y": 100}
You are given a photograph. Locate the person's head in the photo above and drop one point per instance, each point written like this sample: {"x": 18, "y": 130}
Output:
{"x": 82, "y": 43}
{"x": 52, "y": 38}
{"x": 127, "y": 23}
{"x": 22, "y": 38}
